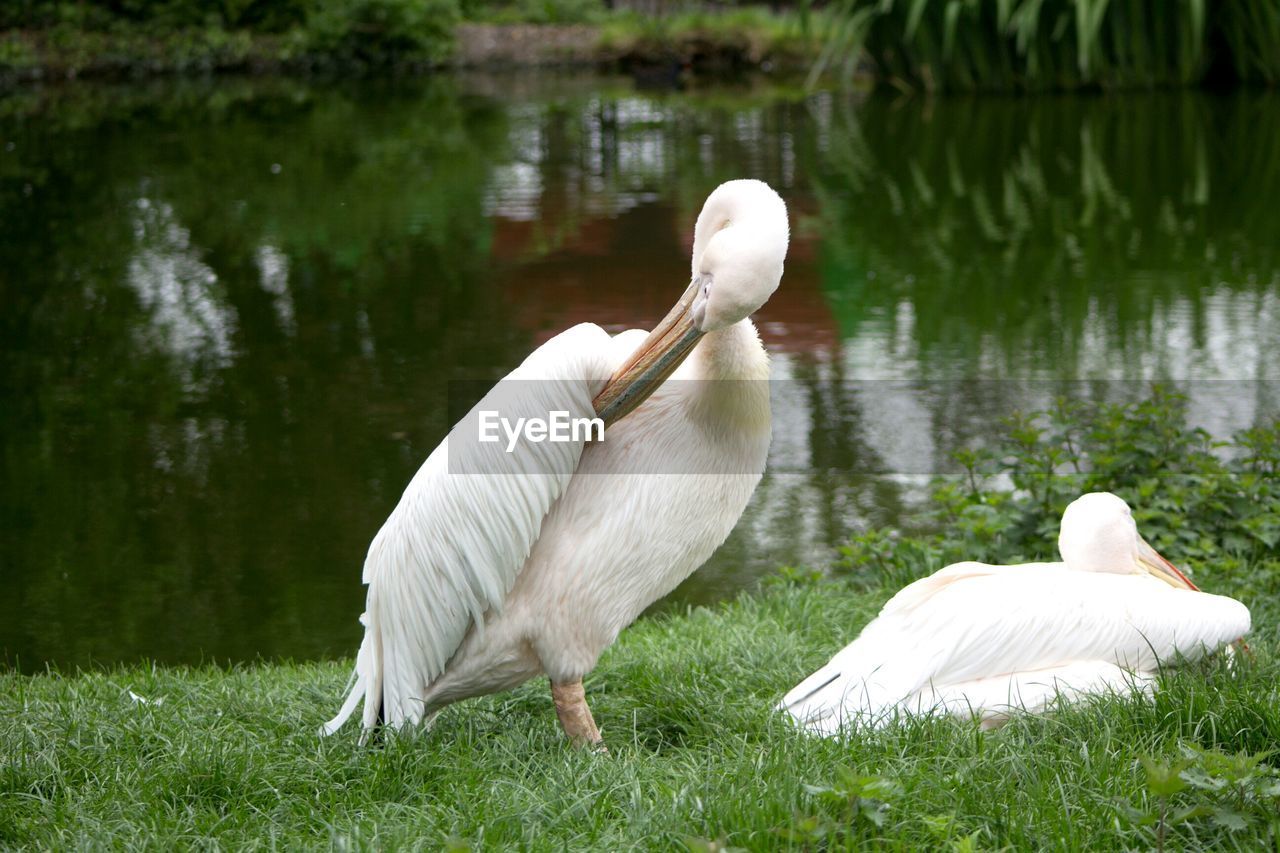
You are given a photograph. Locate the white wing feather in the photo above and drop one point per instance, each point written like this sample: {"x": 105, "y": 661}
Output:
{"x": 451, "y": 549}
{"x": 993, "y": 699}
{"x": 972, "y": 632}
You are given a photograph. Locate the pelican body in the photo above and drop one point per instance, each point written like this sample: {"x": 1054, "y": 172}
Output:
{"x": 978, "y": 640}
{"x": 498, "y": 566}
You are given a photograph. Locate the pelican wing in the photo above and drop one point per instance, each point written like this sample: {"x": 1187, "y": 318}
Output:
{"x": 972, "y": 623}
{"x": 993, "y": 699}
{"x": 451, "y": 549}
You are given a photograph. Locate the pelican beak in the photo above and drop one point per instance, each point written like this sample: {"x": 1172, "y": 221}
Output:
{"x": 1150, "y": 561}
{"x": 655, "y": 359}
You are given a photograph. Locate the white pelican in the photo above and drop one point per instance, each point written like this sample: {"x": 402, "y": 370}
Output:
{"x": 979, "y": 640}
{"x": 499, "y": 566}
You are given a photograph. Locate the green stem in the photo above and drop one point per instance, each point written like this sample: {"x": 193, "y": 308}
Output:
{"x": 1164, "y": 811}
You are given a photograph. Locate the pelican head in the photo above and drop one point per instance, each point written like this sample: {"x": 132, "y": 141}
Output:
{"x": 1098, "y": 534}
{"x": 739, "y": 244}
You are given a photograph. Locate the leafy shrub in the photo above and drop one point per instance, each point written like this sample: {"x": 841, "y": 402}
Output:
{"x": 534, "y": 11}
{"x": 15, "y": 55}
{"x": 270, "y": 16}
{"x": 850, "y": 803}
{"x": 383, "y": 31}
{"x": 1196, "y": 499}
{"x": 416, "y": 22}
{"x": 102, "y": 14}
{"x": 1234, "y": 791}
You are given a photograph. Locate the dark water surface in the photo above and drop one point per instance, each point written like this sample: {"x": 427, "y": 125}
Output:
{"x": 229, "y": 313}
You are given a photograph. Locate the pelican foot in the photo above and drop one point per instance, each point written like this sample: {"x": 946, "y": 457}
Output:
{"x": 575, "y": 716}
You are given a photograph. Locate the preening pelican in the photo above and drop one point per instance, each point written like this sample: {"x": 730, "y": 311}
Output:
{"x": 499, "y": 566}
{"x": 982, "y": 641}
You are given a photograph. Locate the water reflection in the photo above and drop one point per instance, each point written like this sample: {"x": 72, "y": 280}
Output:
{"x": 231, "y": 313}
{"x": 273, "y": 276}
{"x": 189, "y": 315}
{"x": 1048, "y": 237}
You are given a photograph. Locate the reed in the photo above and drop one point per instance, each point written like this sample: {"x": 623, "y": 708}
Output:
{"x": 1250, "y": 32}
{"x": 1048, "y": 45}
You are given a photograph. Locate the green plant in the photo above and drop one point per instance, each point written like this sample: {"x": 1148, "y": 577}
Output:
{"x": 1234, "y": 791}
{"x": 1164, "y": 779}
{"x": 792, "y": 576}
{"x": 15, "y": 54}
{"x": 845, "y": 806}
{"x": 379, "y": 32}
{"x": 1244, "y": 787}
{"x": 1190, "y": 498}
{"x": 534, "y": 11}
{"x": 1250, "y": 32}
{"x": 1056, "y": 44}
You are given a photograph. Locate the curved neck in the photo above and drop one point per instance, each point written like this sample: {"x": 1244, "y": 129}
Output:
{"x": 731, "y": 394}
{"x": 734, "y": 352}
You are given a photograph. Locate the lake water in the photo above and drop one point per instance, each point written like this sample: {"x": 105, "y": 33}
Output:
{"x": 230, "y": 312}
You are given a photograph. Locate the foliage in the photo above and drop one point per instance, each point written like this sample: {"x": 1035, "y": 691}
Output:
{"x": 842, "y": 805}
{"x": 1250, "y": 32}
{"x": 1234, "y": 791}
{"x": 383, "y": 31}
{"x": 157, "y": 15}
{"x": 1057, "y": 44}
{"x": 1190, "y": 496}
{"x": 1185, "y": 495}
{"x": 58, "y": 38}
{"x": 791, "y": 576}
{"x": 15, "y": 54}
{"x": 182, "y": 35}
{"x": 535, "y": 11}
{"x": 67, "y": 51}
{"x": 258, "y": 15}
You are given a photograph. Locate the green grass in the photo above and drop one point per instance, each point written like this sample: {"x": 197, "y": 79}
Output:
{"x": 231, "y": 757}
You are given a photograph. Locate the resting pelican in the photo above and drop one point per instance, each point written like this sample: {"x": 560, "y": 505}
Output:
{"x": 979, "y": 640}
{"x": 499, "y": 566}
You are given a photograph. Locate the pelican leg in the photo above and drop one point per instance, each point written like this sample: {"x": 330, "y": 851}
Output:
{"x": 575, "y": 716}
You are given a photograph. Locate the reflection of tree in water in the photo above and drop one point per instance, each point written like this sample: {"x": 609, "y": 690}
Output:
{"x": 1053, "y": 238}
{"x": 221, "y": 384}
{"x": 824, "y": 482}
{"x": 1059, "y": 237}
{"x": 273, "y": 275}
{"x": 189, "y": 318}
{"x": 858, "y": 490}
{"x": 599, "y": 154}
